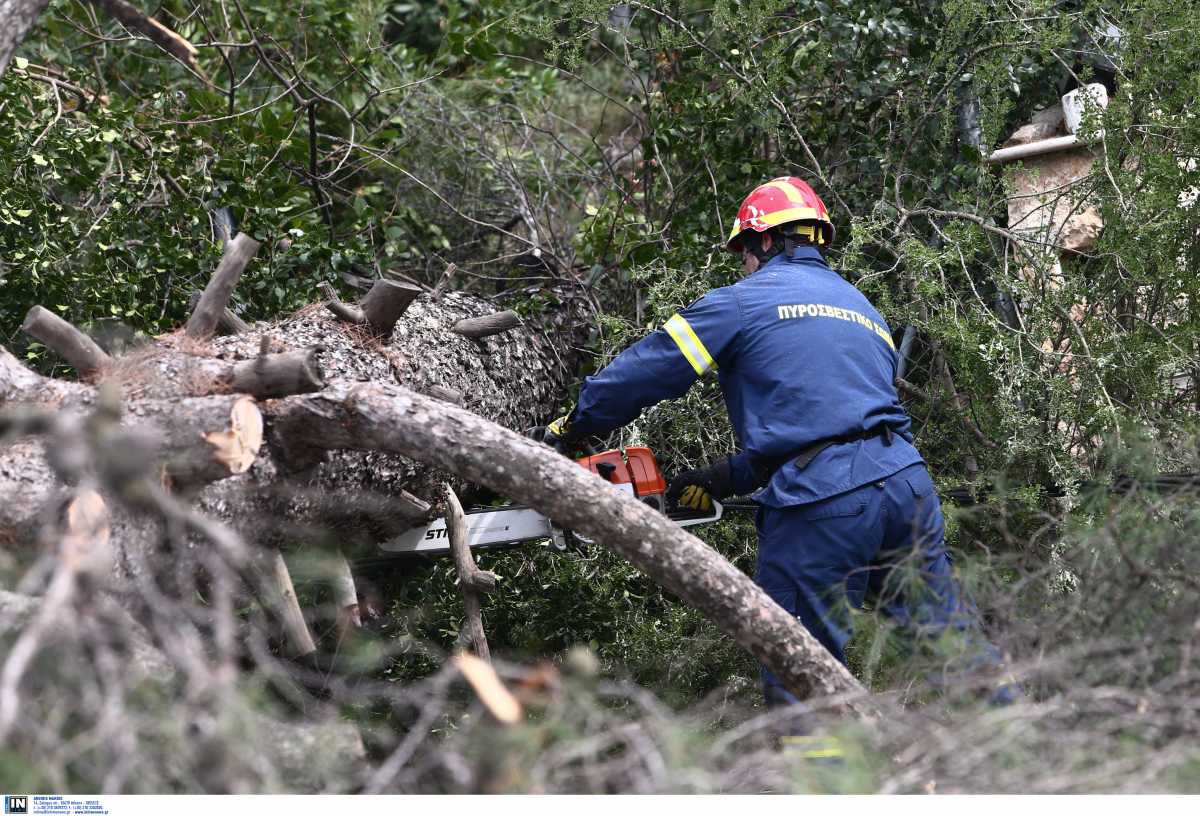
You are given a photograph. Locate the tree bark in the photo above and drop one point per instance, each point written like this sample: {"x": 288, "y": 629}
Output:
{"x": 392, "y": 418}
{"x": 516, "y": 378}
{"x": 16, "y": 18}
{"x": 204, "y": 320}
{"x": 79, "y": 350}
{"x": 229, "y": 323}
{"x": 20, "y": 386}
{"x": 385, "y": 304}
{"x": 32, "y": 496}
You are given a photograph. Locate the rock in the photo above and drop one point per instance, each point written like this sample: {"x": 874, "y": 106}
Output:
{"x": 312, "y": 757}
{"x": 1033, "y": 132}
{"x": 1045, "y": 201}
{"x": 1052, "y": 116}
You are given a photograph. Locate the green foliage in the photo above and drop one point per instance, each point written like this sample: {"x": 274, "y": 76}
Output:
{"x": 118, "y": 157}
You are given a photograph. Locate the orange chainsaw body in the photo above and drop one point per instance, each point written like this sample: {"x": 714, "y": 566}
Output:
{"x": 635, "y": 466}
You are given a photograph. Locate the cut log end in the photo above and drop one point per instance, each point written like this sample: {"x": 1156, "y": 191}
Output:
{"x": 237, "y": 447}
{"x": 85, "y": 543}
{"x": 496, "y": 698}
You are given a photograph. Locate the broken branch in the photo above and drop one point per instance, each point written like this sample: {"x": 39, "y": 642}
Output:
{"x": 79, "y": 350}
{"x": 487, "y": 325}
{"x": 473, "y": 580}
{"x": 238, "y": 252}
{"x": 228, "y": 321}
{"x": 156, "y": 32}
{"x": 385, "y": 304}
{"x": 341, "y": 311}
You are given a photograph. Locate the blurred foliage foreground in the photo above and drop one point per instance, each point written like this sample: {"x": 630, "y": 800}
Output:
{"x": 600, "y": 150}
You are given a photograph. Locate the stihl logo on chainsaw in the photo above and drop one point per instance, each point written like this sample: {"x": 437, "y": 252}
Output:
{"x": 633, "y": 470}
{"x": 441, "y": 532}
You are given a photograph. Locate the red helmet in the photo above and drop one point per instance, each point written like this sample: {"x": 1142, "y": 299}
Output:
{"x": 782, "y": 201}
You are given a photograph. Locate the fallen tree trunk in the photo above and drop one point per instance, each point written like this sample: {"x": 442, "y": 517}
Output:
{"x": 346, "y": 499}
{"x": 516, "y": 378}
{"x": 395, "y": 419}
{"x": 20, "y": 386}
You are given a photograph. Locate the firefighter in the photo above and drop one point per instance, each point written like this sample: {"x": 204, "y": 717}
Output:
{"x": 807, "y": 366}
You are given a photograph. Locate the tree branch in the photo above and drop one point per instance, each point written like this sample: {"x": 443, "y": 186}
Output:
{"x": 204, "y": 320}
{"x": 479, "y": 327}
{"x": 67, "y": 341}
{"x": 473, "y": 580}
{"x": 156, "y": 32}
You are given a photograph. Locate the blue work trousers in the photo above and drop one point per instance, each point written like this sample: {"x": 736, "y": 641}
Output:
{"x": 883, "y": 540}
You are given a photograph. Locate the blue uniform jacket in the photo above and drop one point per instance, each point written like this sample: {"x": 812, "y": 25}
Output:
{"x": 801, "y": 356}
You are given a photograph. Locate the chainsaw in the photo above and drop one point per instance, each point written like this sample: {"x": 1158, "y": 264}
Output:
{"x": 633, "y": 470}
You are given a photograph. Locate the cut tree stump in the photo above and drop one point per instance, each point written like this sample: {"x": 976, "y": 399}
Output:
{"x": 379, "y": 310}
{"x": 385, "y": 303}
{"x": 229, "y": 323}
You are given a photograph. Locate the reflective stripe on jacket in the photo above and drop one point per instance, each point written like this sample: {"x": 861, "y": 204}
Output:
{"x": 801, "y": 356}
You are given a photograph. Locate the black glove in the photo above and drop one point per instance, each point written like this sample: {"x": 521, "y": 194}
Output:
{"x": 554, "y": 434}
{"x": 696, "y": 489}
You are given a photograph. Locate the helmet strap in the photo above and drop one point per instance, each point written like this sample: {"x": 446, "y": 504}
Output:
{"x": 753, "y": 242}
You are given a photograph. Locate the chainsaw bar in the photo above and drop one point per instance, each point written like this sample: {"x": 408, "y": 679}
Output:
{"x": 505, "y": 527}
